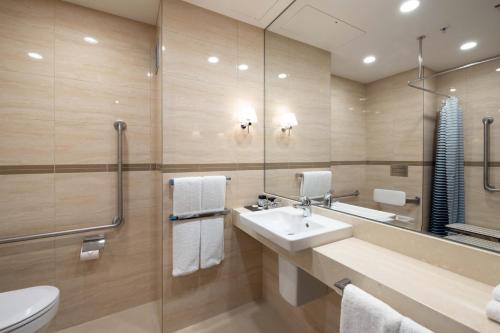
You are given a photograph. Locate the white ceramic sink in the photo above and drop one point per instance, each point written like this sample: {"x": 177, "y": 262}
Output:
{"x": 287, "y": 228}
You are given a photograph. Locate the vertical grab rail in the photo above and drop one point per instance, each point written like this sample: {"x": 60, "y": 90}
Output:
{"x": 118, "y": 220}
{"x": 487, "y": 121}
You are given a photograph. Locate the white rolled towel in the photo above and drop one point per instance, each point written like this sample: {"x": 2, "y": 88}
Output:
{"x": 496, "y": 293}
{"x": 493, "y": 310}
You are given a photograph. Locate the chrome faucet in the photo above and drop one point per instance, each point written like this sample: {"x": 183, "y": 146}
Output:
{"x": 305, "y": 205}
{"x": 328, "y": 199}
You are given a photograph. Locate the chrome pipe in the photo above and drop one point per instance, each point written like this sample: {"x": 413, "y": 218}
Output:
{"x": 196, "y": 216}
{"x": 118, "y": 220}
{"x": 487, "y": 121}
{"x": 420, "y": 58}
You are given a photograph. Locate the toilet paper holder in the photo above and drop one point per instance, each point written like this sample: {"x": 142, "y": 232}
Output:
{"x": 92, "y": 247}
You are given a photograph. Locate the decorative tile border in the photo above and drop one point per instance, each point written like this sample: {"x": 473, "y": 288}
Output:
{"x": 178, "y": 168}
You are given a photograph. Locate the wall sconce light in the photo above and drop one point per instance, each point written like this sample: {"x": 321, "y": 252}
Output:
{"x": 247, "y": 117}
{"x": 288, "y": 120}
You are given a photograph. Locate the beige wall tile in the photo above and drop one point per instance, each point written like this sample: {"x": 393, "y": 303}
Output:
{"x": 27, "y": 26}
{"x": 27, "y": 204}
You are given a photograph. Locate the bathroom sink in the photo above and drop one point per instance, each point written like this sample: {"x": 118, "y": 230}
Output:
{"x": 287, "y": 228}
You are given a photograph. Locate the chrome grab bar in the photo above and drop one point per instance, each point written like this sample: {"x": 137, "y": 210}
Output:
{"x": 118, "y": 220}
{"x": 487, "y": 121}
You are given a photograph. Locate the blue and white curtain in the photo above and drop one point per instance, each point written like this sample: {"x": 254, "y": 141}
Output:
{"x": 448, "y": 192}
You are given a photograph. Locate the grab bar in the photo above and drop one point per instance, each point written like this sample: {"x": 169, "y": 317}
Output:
{"x": 346, "y": 195}
{"x": 223, "y": 212}
{"x": 487, "y": 121}
{"x": 118, "y": 220}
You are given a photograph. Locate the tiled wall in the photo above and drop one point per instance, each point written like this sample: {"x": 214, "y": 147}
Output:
{"x": 202, "y": 136}
{"x": 373, "y": 126}
{"x": 57, "y": 143}
{"x": 305, "y": 92}
{"x": 477, "y": 90}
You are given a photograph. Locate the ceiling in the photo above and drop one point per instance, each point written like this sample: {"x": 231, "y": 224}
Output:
{"x": 144, "y": 11}
{"x": 353, "y": 29}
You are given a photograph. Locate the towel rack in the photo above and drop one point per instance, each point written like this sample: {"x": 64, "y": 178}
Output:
{"x": 171, "y": 181}
{"x": 118, "y": 220}
{"x": 223, "y": 212}
{"x": 342, "y": 284}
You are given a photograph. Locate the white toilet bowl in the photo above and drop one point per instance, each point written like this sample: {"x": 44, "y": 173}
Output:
{"x": 28, "y": 310}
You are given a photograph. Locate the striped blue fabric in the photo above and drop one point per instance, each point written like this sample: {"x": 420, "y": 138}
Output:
{"x": 448, "y": 192}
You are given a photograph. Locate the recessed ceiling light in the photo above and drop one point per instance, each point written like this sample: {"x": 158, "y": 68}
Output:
{"x": 409, "y": 6}
{"x": 35, "y": 55}
{"x": 282, "y": 76}
{"x": 149, "y": 74}
{"x": 90, "y": 40}
{"x": 468, "y": 46}
{"x": 453, "y": 89}
{"x": 369, "y": 59}
{"x": 117, "y": 102}
{"x": 213, "y": 60}
{"x": 243, "y": 67}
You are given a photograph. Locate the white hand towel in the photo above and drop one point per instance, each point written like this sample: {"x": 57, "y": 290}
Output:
{"x": 390, "y": 197}
{"x": 493, "y": 311}
{"x": 186, "y": 234}
{"x": 361, "y": 312}
{"x": 496, "y": 293}
{"x": 212, "y": 230}
{"x": 409, "y": 326}
{"x": 315, "y": 184}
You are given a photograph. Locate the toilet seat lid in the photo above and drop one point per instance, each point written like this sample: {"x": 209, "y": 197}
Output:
{"x": 19, "y": 305}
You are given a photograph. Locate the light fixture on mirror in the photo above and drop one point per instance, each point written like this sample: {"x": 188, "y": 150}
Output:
{"x": 453, "y": 89}
{"x": 409, "y": 6}
{"x": 282, "y": 75}
{"x": 213, "y": 60}
{"x": 468, "y": 45}
{"x": 369, "y": 59}
{"x": 288, "y": 121}
{"x": 247, "y": 116}
{"x": 498, "y": 69}
{"x": 35, "y": 55}
{"x": 242, "y": 67}
{"x": 90, "y": 40}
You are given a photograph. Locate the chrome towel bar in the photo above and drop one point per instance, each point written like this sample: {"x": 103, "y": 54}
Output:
{"x": 171, "y": 181}
{"x": 224, "y": 212}
{"x": 487, "y": 121}
{"x": 415, "y": 200}
{"x": 342, "y": 284}
{"x": 118, "y": 220}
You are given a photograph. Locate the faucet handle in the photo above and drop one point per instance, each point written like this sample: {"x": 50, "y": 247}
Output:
{"x": 305, "y": 201}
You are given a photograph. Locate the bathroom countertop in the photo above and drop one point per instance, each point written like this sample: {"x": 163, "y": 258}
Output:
{"x": 437, "y": 298}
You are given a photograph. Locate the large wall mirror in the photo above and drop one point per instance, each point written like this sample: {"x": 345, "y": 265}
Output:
{"x": 344, "y": 128}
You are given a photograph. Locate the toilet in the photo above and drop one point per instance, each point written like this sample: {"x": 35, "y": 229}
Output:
{"x": 28, "y": 310}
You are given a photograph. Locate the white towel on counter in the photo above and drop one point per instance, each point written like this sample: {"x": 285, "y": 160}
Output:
{"x": 212, "y": 230}
{"x": 493, "y": 310}
{"x": 409, "y": 326}
{"x": 363, "y": 313}
{"x": 390, "y": 197}
{"x": 186, "y": 234}
{"x": 496, "y": 293}
{"x": 315, "y": 184}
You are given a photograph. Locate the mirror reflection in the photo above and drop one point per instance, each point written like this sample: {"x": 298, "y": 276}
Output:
{"x": 397, "y": 125}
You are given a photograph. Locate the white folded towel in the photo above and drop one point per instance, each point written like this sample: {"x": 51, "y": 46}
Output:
{"x": 315, "y": 184}
{"x": 493, "y": 310}
{"x": 409, "y": 326}
{"x": 390, "y": 197}
{"x": 361, "y": 312}
{"x": 186, "y": 234}
{"x": 496, "y": 293}
{"x": 212, "y": 230}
